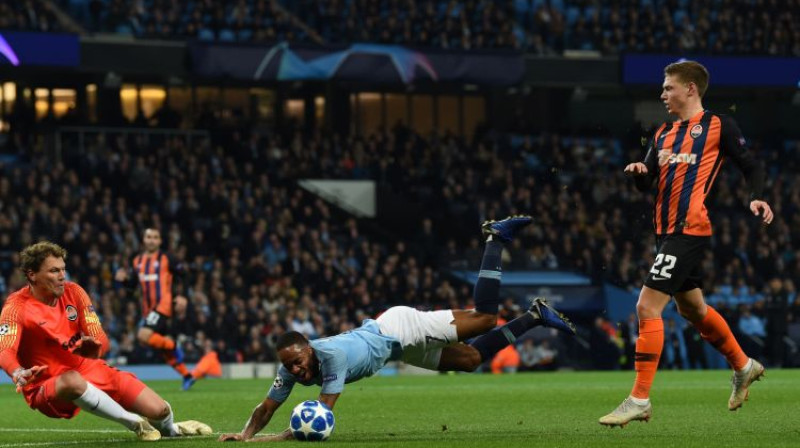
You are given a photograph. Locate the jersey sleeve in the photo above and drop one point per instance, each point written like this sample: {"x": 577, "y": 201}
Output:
{"x": 645, "y": 183}
{"x": 178, "y": 269}
{"x": 282, "y": 386}
{"x": 733, "y": 145}
{"x": 132, "y": 282}
{"x": 333, "y": 371}
{"x": 10, "y": 335}
{"x": 89, "y": 322}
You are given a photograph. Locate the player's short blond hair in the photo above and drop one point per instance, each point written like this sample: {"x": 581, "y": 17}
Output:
{"x": 32, "y": 257}
{"x": 690, "y": 71}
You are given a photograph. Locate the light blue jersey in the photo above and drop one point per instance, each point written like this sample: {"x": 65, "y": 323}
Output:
{"x": 343, "y": 358}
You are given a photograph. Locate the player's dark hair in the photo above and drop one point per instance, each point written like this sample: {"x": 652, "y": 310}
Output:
{"x": 32, "y": 257}
{"x": 153, "y": 228}
{"x": 289, "y": 339}
{"x": 690, "y": 71}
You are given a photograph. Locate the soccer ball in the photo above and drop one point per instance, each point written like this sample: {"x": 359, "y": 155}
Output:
{"x": 311, "y": 420}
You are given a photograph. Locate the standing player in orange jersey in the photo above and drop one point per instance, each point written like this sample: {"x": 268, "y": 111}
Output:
{"x": 683, "y": 160}
{"x": 51, "y": 342}
{"x": 155, "y": 270}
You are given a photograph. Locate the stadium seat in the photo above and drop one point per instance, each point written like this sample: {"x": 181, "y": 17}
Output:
{"x": 205, "y": 34}
{"x": 226, "y": 35}
{"x": 571, "y": 15}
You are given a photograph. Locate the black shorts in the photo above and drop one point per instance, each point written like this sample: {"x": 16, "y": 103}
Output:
{"x": 156, "y": 322}
{"x": 677, "y": 267}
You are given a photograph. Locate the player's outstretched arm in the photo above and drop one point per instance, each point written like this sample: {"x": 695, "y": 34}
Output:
{"x": 11, "y": 329}
{"x": 762, "y": 208}
{"x": 329, "y": 399}
{"x": 636, "y": 169}
{"x": 644, "y": 172}
{"x": 260, "y": 417}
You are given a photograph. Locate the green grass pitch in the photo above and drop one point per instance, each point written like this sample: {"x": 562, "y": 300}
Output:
{"x": 525, "y": 410}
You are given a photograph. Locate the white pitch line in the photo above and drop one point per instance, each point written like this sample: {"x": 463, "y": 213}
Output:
{"x": 98, "y": 431}
{"x": 73, "y": 442}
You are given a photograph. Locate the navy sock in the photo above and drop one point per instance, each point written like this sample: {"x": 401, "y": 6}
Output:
{"x": 492, "y": 342}
{"x": 487, "y": 288}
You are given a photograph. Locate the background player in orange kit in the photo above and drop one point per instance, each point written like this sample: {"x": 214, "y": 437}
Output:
{"x": 155, "y": 271}
{"x": 50, "y": 344}
{"x": 683, "y": 160}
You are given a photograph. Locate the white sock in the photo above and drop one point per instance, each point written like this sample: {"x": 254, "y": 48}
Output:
{"x": 97, "y": 402}
{"x": 747, "y": 366}
{"x": 640, "y": 401}
{"x": 166, "y": 425}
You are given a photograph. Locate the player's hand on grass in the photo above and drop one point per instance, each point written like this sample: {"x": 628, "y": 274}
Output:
{"x": 88, "y": 347}
{"x": 636, "y": 169}
{"x": 230, "y": 438}
{"x": 761, "y": 208}
{"x": 23, "y": 376}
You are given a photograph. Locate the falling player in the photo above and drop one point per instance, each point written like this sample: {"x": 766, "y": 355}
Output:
{"x": 432, "y": 340}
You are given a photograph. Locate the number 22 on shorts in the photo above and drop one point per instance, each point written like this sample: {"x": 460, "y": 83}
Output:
{"x": 662, "y": 266}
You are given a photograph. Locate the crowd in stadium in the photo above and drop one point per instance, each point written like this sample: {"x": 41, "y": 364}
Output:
{"x": 541, "y": 27}
{"x": 29, "y": 15}
{"x": 264, "y": 256}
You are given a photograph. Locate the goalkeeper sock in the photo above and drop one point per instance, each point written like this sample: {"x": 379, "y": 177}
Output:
{"x": 497, "y": 339}
{"x": 487, "y": 288}
{"x": 166, "y": 425}
{"x": 716, "y": 331}
{"x": 97, "y": 402}
{"x": 648, "y": 352}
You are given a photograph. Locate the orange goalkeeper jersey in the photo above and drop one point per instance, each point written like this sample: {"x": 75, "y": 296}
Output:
{"x": 35, "y": 334}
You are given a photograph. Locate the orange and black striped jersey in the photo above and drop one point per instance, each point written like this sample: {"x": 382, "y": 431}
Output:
{"x": 155, "y": 273}
{"x": 684, "y": 158}
{"x": 33, "y": 333}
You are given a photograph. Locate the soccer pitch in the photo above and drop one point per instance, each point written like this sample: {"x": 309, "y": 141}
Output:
{"x": 539, "y": 409}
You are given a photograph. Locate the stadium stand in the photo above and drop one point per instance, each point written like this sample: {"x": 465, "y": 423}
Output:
{"x": 536, "y": 26}
{"x": 267, "y": 256}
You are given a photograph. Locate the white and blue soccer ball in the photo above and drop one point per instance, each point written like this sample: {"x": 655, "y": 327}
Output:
{"x": 311, "y": 420}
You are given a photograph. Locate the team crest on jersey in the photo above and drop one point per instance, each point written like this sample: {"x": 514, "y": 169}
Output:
{"x": 72, "y": 313}
{"x": 4, "y": 329}
{"x": 278, "y": 383}
{"x": 696, "y": 131}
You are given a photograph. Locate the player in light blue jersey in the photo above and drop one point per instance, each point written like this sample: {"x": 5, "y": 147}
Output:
{"x": 432, "y": 340}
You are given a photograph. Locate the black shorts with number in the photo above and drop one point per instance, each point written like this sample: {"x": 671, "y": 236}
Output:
{"x": 156, "y": 322}
{"x": 677, "y": 264}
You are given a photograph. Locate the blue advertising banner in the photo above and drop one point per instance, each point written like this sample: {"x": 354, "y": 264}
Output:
{"x": 567, "y": 291}
{"x": 724, "y": 70}
{"x": 373, "y": 63}
{"x": 571, "y": 299}
{"x": 49, "y": 49}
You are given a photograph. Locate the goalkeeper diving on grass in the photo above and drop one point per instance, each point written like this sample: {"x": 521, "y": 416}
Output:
{"x": 432, "y": 340}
